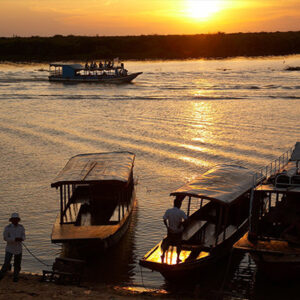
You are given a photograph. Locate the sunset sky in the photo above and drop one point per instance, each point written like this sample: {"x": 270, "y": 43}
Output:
{"x": 135, "y": 17}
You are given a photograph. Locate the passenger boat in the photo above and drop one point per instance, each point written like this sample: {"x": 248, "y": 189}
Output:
{"x": 97, "y": 197}
{"x": 217, "y": 209}
{"x": 105, "y": 73}
{"x": 273, "y": 240}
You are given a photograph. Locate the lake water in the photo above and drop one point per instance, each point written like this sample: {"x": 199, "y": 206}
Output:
{"x": 180, "y": 118}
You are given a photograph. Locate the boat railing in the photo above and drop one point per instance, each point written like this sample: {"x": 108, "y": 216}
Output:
{"x": 272, "y": 168}
{"x": 269, "y": 170}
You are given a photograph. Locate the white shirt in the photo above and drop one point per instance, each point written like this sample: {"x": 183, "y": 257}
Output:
{"x": 175, "y": 216}
{"x": 9, "y": 234}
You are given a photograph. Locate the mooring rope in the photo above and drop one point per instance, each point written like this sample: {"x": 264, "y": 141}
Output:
{"x": 142, "y": 276}
{"x": 35, "y": 256}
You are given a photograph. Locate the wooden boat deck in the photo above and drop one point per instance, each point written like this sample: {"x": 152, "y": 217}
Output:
{"x": 273, "y": 189}
{"x": 154, "y": 255}
{"x": 70, "y": 232}
{"x": 267, "y": 246}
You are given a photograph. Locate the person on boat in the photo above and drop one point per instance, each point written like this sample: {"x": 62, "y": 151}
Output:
{"x": 14, "y": 235}
{"x": 174, "y": 219}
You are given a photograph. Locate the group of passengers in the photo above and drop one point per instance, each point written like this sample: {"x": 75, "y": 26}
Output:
{"x": 102, "y": 65}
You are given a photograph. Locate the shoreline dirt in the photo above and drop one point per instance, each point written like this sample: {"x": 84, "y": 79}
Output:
{"x": 30, "y": 286}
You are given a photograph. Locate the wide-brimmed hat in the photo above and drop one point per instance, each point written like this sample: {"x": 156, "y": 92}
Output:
{"x": 14, "y": 216}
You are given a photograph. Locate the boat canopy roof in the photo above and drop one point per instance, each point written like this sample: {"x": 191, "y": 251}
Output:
{"x": 111, "y": 167}
{"x": 296, "y": 153}
{"x": 224, "y": 184}
{"x": 73, "y": 66}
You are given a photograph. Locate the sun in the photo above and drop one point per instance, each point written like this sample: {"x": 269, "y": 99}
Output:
{"x": 202, "y": 9}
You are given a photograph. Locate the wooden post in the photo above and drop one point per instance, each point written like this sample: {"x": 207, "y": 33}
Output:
{"x": 255, "y": 214}
{"x": 119, "y": 210}
{"x": 189, "y": 206}
{"x": 123, "y": 205}
{"x": 218, "y": 226}
{"x": 68, "y": 192}
{"x": 61, "y": 205}
{"x": 225, "y": 222}
{"x": 65, "y": 197}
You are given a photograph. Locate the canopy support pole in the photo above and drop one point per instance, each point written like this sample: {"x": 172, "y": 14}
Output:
{"x": 189, "y": 206}
{"x": 61, "y": 205}
{"x": 218, "y": 226}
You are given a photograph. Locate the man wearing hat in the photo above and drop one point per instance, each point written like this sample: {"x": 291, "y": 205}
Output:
{"x": 13, "y": 234}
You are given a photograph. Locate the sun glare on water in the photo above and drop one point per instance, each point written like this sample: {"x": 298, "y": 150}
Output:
{"x": 202, "y": 9}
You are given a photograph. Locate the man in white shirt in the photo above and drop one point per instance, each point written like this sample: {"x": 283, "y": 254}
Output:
{"x": 174, "y": 219}
{"x": 13, "y": 234}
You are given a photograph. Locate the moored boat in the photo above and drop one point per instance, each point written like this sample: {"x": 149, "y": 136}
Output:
{"x": 102, "y": 73}
{"x": 220, "y": 200}
{"x": 273, "y": 240}
{"x": 97, "y": 197}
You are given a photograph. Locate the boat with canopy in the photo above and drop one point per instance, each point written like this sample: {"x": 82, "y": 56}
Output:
{"x": 97, "y": 197}
{"x": 112, "y": 72}
{"x": 217, "y": 209}
{"x": 273, "y": 240}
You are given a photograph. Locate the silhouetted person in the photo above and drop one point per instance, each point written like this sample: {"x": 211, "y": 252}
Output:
{"x": 174, "y": 218}
{"x": 13, "y": 234}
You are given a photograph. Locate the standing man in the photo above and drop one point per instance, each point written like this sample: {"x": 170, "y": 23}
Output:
{"x": 174, "y": 219}
{"x": 13, "y": 234}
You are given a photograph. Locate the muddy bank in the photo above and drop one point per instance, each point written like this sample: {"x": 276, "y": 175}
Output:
{"x": 30, "y": 286}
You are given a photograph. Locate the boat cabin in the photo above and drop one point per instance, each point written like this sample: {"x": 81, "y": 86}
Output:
{"x": 65, "y": 70}
{"x": 96, "y": 194}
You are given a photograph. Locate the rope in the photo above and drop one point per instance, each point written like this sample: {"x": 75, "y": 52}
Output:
{"x": 142, "y": 276}
{"x": 35, "y": 256}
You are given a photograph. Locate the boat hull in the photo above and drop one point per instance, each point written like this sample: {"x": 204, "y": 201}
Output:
{"x": 95, "y": 246}
{"x": 277, "y": 267}
{"x": 275, "y": 259}
{"x": 96, "y": 79}
{"x": 200, "y": 267}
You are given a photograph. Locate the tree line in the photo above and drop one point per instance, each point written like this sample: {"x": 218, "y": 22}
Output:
{"x": 219, "y": 45}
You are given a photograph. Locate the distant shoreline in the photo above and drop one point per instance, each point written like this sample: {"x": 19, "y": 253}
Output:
{"x": 149, "y": 47}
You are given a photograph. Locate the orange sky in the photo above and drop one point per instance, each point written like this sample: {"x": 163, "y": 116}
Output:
{"x": 135, "y": 17}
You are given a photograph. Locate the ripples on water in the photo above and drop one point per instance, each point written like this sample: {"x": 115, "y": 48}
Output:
{"x": 179, "y": 117}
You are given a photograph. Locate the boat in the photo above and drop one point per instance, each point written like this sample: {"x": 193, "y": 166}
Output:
{"x": 273, "y": 239}
{"x": 217, "y": 208}
{"x": 97, "y": 197}
{"x": 112, "y": 72}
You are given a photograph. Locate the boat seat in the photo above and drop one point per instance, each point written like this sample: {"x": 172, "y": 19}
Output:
{"x": 188, "y": 247}
{"x": 209, "y": 235}
{"x": 229, "y": 231}
{"x": 282, "y": 180}
{"x": 295, "y": 179}
{"x": 193, "y": 227}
